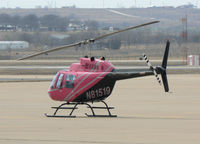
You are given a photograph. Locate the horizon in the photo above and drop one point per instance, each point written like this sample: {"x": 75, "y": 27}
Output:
{"x": 94, "y": 3}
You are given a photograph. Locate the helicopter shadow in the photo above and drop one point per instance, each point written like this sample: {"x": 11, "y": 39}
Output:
{"x": 137, "y": 118}
{"x": 152, "y": 118}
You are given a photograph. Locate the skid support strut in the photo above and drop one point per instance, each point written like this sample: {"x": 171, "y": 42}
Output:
{"x": 75, "y": 107}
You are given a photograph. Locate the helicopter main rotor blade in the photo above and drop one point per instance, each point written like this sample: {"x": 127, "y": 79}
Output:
{"x": 123, "y": 30}
{"x": 85, "y": 42}
{"x": 48, "y": 51}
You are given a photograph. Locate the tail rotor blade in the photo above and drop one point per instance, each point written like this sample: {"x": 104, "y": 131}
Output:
{"x": 162, "y": 69}
{"x": 165, "y": 81}
{"x": 165, "y": 58}
{"x": 164, "y": 66}
{"x": 157, "y": 77}
{"x": 147, "y": 61}
{"x": 151, "y": 67}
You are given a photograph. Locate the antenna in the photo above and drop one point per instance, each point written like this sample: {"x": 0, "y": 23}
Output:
{"x": 184, "y": 36}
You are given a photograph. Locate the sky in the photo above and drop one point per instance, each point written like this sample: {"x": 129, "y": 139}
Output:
{"x": 94, "y": 3}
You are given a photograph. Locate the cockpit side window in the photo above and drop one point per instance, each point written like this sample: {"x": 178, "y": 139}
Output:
{"x": 68, "y": 77}
{"x": 71, "y": 77}
{"x": 70, "y": 81}
{"x": 54, "y": 80}
{"x": 60, "y": 81}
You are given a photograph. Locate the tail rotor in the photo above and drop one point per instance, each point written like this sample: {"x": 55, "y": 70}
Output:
{"x": 152, "y": 68}
{"x": 164, "y": 66}
{"x": 161, "y": 69}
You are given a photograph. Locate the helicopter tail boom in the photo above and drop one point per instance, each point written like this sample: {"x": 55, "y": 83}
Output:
{"x": 151, "y": 71}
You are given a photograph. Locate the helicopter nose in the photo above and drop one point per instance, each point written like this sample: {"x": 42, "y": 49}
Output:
{"x": 51, "y": 94}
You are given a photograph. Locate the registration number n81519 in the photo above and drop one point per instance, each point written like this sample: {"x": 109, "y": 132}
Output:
{"x": 98, "y": 93}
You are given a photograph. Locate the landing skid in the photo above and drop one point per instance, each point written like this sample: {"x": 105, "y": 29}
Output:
{"x": 100, "y": 115}
{"x": 75, "y": 107}
{"x": 59, "y": 116}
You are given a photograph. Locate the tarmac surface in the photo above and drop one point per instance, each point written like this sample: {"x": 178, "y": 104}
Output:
{"x": 49, "y": 70}
{"x": 146, "y": 114}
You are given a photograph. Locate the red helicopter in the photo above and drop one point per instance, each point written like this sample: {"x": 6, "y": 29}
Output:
{"x": 92, "y": 80}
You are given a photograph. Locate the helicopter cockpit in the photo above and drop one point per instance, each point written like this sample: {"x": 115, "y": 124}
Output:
{"x": 58, "y": 81}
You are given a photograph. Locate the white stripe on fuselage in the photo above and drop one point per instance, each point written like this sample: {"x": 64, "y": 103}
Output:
{"x": 88, "y": 74}
{"x": 90, "y": 82}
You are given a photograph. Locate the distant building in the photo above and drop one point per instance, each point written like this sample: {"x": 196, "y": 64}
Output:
{"x": 44, "y": 29}
{"x": 193, "y": 60}
{"x": 76, "y": 27}
{"x": 187, "y": 6}
{"x": 38, "y": 7}
{"x": 7, "y": 28}
{"x": 73, "y": 6}
{"x": 60, "y": 36}
{"x": 13, "y": 45}
{"x": 167, "y": 7}
{"x": 111, "y": 28}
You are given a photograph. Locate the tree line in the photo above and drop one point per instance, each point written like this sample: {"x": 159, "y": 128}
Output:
{"x": 54, "y": 22}
{"x": 32, "y": 22}
{"x": 143, "y": 36}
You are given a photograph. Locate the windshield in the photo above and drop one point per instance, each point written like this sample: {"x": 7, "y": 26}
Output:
{"x": 54, "y": 80}
{"x": 60, "y": 80}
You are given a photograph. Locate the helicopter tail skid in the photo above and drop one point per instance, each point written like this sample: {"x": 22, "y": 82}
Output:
{"x": 75, "y": 107}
